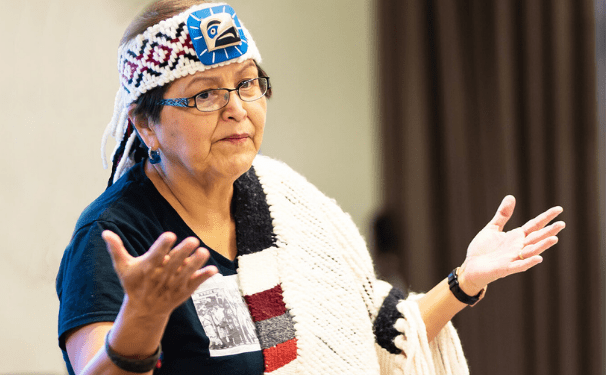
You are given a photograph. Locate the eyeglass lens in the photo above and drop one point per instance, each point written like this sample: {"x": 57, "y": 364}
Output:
{"x": 248, "y": 91}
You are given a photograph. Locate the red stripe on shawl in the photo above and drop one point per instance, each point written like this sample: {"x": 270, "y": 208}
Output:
{"x": 266, "y": 304}
{"x": 280, "y": 355}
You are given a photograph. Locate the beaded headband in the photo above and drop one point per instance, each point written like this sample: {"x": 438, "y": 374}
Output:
{"x": 205, "y": 36}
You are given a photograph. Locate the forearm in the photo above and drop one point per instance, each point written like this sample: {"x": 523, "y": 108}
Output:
{"x": 439, "y": 306}
{"x": 134, "y": 335}
{"x": 102, "y": 365}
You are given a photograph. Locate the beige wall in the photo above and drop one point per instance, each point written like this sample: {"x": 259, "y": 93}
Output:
{"x": 58, "y": 82}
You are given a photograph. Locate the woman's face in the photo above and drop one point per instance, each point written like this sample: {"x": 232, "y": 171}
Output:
{"x": 218, "y": 144}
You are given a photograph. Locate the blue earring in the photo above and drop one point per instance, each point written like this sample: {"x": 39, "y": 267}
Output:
{"x": 154, "y": 156}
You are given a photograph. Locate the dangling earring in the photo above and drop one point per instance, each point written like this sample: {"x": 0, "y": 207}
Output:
{"x": 154, "y": 156}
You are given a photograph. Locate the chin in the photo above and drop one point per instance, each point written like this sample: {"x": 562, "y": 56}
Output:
{"x": 240, "y": 164}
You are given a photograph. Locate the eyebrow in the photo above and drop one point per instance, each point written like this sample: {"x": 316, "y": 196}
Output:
{"x": 216, "y": 79}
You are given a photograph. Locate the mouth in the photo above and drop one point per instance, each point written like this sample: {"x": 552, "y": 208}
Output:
{"x": 236, "y": 138}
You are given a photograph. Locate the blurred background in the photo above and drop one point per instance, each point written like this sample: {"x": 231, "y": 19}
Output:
{"x": 416, "y": 116}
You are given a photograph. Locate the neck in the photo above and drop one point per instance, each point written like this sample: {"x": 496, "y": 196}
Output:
{"x": 205, "y": 206}
{"x": 193, "y": 195}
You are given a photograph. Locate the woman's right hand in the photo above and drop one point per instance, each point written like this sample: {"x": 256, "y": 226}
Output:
{"x": 164, "y": 277}
{"x": 154, "y": 284}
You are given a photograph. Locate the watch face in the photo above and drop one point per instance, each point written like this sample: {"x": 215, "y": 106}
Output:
{"x": 217, "y": 34}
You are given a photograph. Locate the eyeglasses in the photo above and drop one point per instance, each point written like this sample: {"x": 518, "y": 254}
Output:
{"x": 214, "y": 99}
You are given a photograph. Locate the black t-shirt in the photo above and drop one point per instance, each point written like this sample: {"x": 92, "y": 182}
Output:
{"x": 211, "y": 333}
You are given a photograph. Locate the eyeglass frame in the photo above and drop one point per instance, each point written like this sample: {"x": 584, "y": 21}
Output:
{"x": 184, "y": 102}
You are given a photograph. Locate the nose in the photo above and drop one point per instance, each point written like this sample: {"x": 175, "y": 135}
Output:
{"x": 234, "y": 110}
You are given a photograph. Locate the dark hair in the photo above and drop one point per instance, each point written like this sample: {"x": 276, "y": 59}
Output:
{"x": 146, "y": 104}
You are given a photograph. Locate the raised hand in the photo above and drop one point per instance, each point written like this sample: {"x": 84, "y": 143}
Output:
{"x": 164, "y": 277}
{"x": 494, "y": 254}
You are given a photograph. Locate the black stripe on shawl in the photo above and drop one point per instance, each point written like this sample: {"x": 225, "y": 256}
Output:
{"x": 383, "y": 327}
{"x": 254, "y": 229}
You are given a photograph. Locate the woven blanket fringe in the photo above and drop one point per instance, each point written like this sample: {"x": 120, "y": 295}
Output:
{"x": 443, "y": 356}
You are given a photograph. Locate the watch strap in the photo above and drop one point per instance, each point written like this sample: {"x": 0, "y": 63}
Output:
{"x": 453, "y": 284}
{"x": 132, "y": 365}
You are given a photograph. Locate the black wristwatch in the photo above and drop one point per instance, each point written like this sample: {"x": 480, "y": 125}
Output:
{"x": 453, "y": 283}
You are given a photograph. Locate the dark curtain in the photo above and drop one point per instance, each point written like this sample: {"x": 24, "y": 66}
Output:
{"x": 479, "y": 99}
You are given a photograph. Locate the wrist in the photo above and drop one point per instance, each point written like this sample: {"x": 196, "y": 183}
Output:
{"x": 146, "y": 316}
{"x": 136, "y": 332}
{"x": 136, "y": 364}
{"x": 461, "y": 295}
{"x": 466, "y": 285}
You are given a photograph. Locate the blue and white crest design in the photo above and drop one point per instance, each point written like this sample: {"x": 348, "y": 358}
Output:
{"x": 217, "y": 34}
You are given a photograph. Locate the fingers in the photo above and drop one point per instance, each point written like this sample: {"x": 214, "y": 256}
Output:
{"x": 539, "y": 247}
{"x": 161, "y": 256}
{"x": 504, "y": 212}
{"x": 524, "y": 265}
{"x": 540, "y": 221}
{"x": 177, "y": 256}
{"x": 530, "y": 256}
{"x": 116, "y": 249}
{"x": 549, "y": 231}
{"x": 163, "y": 277}
{"x": 190, "y": 274}
{"x": 182, "y": 266}
{"x": 160, "y": 248}
{"x": 201, "y": 275}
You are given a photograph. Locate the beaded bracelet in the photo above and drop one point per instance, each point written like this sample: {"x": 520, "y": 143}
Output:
{"x": 132, "y": 365}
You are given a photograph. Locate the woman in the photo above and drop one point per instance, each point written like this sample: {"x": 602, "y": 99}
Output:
{"x": 193, "y": 220}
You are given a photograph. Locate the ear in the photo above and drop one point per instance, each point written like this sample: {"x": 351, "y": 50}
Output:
{"x": 144, "y": 127}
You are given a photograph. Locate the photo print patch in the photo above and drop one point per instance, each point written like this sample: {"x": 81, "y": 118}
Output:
{"x": 217, "y": 34}
{"x": 224, "y": 317}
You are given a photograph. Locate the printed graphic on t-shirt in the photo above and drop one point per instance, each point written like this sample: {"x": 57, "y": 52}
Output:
{"x": 225, "y": 317}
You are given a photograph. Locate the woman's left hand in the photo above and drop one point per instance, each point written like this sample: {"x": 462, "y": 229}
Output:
{"x": 494, "y": 254}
